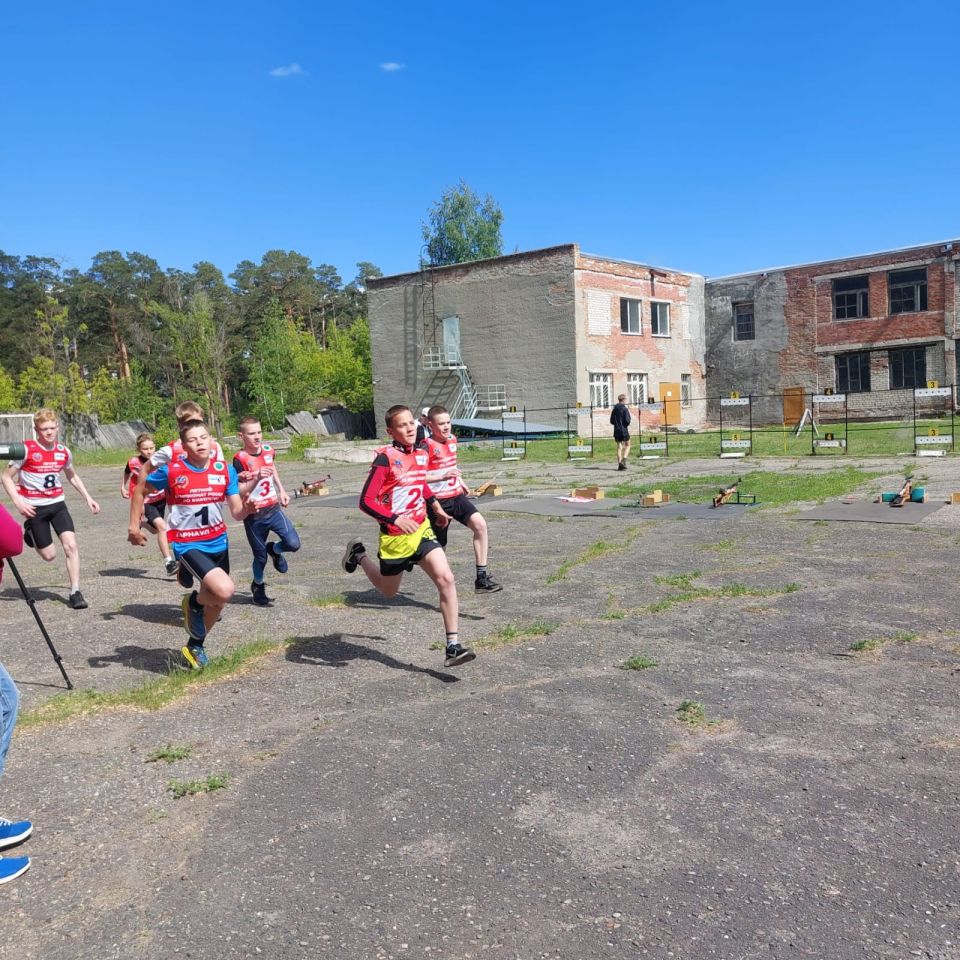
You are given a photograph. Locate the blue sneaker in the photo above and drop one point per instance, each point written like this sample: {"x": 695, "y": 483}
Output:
{"x": 279, "y": 560}
{"x": 193, "y": 618}
{"x": 195, "y": 655}
{"x": 12, "y": 867}
{"x": 12, "y": 833}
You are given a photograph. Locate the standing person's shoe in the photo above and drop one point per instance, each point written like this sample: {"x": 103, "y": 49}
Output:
{"x": 486, "y": 584}
{"x": 13, "y": 867}
{"x": 14, "y": 832}
{"x": 171, "y": 567}
{"x": 279, "y": 560}
{"x": 195, "y": 655}
{"x": 457, "y": 654}
{"x": 76, "y": 601}
{"x": 353, "y": 555}
{"x": 193, "y": 618}
{"x": 259, "y": 591}
{"x": 621, "y": 466}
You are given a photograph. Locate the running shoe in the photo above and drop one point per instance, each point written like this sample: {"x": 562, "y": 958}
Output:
{"x": 279, "y": 560}
{"x": 76, "y": 601}
{"x": 13, "y": 867}
{"x": 12, "y": 833}
{"x": 171, "y": 567}
{"x": 259, "y": 591}
{"x": 457, "y": 654}
{"x": 195, "y": 655}
{"x": 193, "y": 618}
{"x": 486, "y": 584}
{"x": 354, "y": 553}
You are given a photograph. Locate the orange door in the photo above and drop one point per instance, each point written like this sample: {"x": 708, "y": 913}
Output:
{"x": 670, "y": 395}
{"x": 794, "y": 403}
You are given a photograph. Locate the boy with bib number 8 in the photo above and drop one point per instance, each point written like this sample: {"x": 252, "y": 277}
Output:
{"x": 197, "y": 487}
{"x": 396, "y": 494}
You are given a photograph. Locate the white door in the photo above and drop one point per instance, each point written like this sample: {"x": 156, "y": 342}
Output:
{"x": 451, "y": 339}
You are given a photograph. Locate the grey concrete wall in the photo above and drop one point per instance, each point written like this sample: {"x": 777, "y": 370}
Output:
{"x": 516, "y": 328}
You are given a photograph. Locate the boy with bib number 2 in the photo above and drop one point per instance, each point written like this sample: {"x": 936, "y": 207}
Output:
{"x": 396, "y": 495}
{"x": 196, "y": 486}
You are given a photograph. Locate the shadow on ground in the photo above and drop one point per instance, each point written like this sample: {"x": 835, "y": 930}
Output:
{"x": 138, "y": 658}
{"x": 167, "y": 614}
{"x": 134, "y": 573}
{"x": 374, "y": 600}
{"x": 335, "y": 651}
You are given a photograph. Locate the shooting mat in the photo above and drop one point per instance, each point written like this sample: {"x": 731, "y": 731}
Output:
{"x": 865, "y": 511}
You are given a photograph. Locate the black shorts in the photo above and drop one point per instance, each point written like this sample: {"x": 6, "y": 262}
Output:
{"x": 460, "y": 508}
{"x": 36, "y": 529}
{"x": 393, "y": 568}
{"x": 621, "y": 436}
{"x": 154, "y": 511}
{"x": 195, "y": 564}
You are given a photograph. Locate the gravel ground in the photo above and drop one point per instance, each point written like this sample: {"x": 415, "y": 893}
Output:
{"x": 537, "y": 803}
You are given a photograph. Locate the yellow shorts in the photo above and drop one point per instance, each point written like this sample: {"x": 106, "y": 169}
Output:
{"x": 399, "y": 552}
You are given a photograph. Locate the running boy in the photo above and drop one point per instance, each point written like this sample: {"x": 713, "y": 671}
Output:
{"x": 396, "y": 494}
{"x": 196, "y": 487}
{"x": 445, "y": 480}
{"x": 154, "y": 504}
{"x": 39, "y": 497}
{"x": 263, "y": 492}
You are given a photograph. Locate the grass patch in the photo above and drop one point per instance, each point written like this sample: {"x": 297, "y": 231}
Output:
{"x": 329, "y": 600}
{"x": 170, "y": 754}
{"x": 682, "y": 580}
{"x": 875, "y": 643}
{"x": 693, "y": 714}
{"x": 152, "y": 695}
{"x": 639, "y": 662}
{"x": 721, "y": 546}
{"x": 689, "y": 593}
{"x": 614, "y": 615}
{"x": 190, "y": 788}
{"x": 594, "y": 552}
{"x": 516, "y": 633}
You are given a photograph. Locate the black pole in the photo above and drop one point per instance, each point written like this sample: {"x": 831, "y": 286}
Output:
{"x": 31, "y": 603}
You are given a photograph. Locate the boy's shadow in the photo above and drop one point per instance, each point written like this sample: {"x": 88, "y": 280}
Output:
{"x": 374, "y": 600}
{"x": 335, "y": 651}
{"x": 36, "y": 594}
{"x": 134, "y": 573}
{"x": 164, "y": 613}
{"x": 138, "y": 658}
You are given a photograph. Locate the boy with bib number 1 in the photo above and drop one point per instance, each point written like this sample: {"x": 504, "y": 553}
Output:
{"x": 396, "y": 495}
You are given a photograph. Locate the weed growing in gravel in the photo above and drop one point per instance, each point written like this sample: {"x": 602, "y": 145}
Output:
{"x": 516, "y": 633}
{"x": 596, "y": 550}
{"x": 688, "y": 592}
{"x": 170, "y": 754}
{"x": 329, "y": 600}
{"x": 189, "y": 788}
{"x": 692, "y": 713}
{"x": 639, "y": 662}
{"x": 721, "y": 546}
{"x": 875, "y": 643}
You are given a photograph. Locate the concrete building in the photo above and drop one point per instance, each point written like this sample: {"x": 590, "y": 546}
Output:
{"x": 544, "y": 330}
{"x": 872, "y": 327}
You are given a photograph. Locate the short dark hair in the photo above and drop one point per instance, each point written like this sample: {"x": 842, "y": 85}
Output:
{"x": 190, "y": 425}
{"x": 249, "y": 418}
{"x": 436, "y": 411}
{"x": 394, "y": 410}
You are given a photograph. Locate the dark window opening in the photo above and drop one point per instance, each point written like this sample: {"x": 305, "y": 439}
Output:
{"x": 908, "y": 368}
{"x": 743, "y": 328}
{"x": 908, "y": 290}
{"x": 630, "y": 316}
{"x": 853, "y": 372}
{"x": 851, "y": 298}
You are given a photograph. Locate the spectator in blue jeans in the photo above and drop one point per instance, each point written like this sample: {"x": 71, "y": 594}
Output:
{"x": 11, "y": 833}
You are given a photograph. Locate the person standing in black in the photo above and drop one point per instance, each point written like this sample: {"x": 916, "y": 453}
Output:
{"x": 620, "y": 418}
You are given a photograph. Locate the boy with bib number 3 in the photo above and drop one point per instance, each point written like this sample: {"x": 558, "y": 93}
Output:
{"x": 196, "y": 486}
{"x": 396, "y": 494}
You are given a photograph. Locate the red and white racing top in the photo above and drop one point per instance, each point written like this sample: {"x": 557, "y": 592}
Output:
{"x": 175, "y": 451}
{"x": 443, "y": 454}
{"x": 195, "y": 499}
{"x": 265, "y": 492}
{"x": 40, "y": 471}
{"x": 397, "y": 486}
{"x": 134, "y": 466}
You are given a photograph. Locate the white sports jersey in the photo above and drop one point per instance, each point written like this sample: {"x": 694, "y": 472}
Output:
{"x": 40, "y": 471}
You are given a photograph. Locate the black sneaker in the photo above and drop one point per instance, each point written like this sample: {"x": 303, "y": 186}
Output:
{"x": 76, "y": 601}
{"x": 279, "y": 560}
{"x": 621, "y": 466}
{"x": 457, "y": 654}
{"x": 259, "y": 591}
{"x": 170, "y": 566}
{"x": 351, "y": 558}
{"x": 486, "y": 584}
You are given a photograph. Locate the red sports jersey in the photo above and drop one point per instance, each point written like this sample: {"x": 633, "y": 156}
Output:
{"x": 134, "y": 466}
{"x": 443, "y": 454}
{"x": 174, "y": 451}
{"x": 40, "y": 472}
{"x": 265, "y": 492}
{"x": 397, "y": 486}
{"x": 196, "y": 501}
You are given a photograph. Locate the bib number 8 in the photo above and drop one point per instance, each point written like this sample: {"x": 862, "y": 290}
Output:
{"x": 50, "y": 481}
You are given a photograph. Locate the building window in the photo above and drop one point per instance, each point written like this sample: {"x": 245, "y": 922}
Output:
{"x": 908, "y": 368}
{"x": 851, "y": 298}
{"x": 743, "y": 321}
{"x": 686, "y": 385}
{"x": 853, "y": 372}
{"x": 630, "y": 321}
{"x": 637, "y": 388}
{"x": 660, "y": 319}
{"x": 908, "y": 290}
{"x": 601, "y": 386}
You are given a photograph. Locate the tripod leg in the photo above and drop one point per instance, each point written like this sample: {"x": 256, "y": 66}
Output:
{"x": 31, "y": 603}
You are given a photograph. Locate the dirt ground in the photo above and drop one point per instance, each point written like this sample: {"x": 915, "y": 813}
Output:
{"x": 540, "y": 802}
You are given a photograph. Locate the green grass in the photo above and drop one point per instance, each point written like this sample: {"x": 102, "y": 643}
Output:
{"x": 190, "y": 788}
{"x": 516, "y": 633}
{"x": 152, "y": 695}
{"x": 594, "y": 552}
{"x": 329, "y": 600}
{"x": 721, "y": 546}
{"x": 693, "y": 714}
{"x": 875, "y": 643}
{"x": 688, "y": 592}
{"x": 170, "y": 754}
{"x": 639, "y": 662}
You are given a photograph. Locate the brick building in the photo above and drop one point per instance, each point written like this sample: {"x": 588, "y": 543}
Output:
{"x": 872, "y": 327}
{"x": 543, "y": 330}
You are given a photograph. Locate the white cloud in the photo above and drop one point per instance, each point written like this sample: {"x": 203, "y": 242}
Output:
{"x": 291, "y": 70}
{"x": 392, "y": 66}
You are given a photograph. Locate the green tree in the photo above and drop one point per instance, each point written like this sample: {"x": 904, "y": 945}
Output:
{"x": 8, "y": 392}
{"x": 462, "y": 227}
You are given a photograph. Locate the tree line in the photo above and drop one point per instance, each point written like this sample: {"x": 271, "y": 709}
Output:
{"x": 127, "y": 339}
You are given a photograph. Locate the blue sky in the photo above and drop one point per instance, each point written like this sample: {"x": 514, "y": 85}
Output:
{"x": 710, "y": 137}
